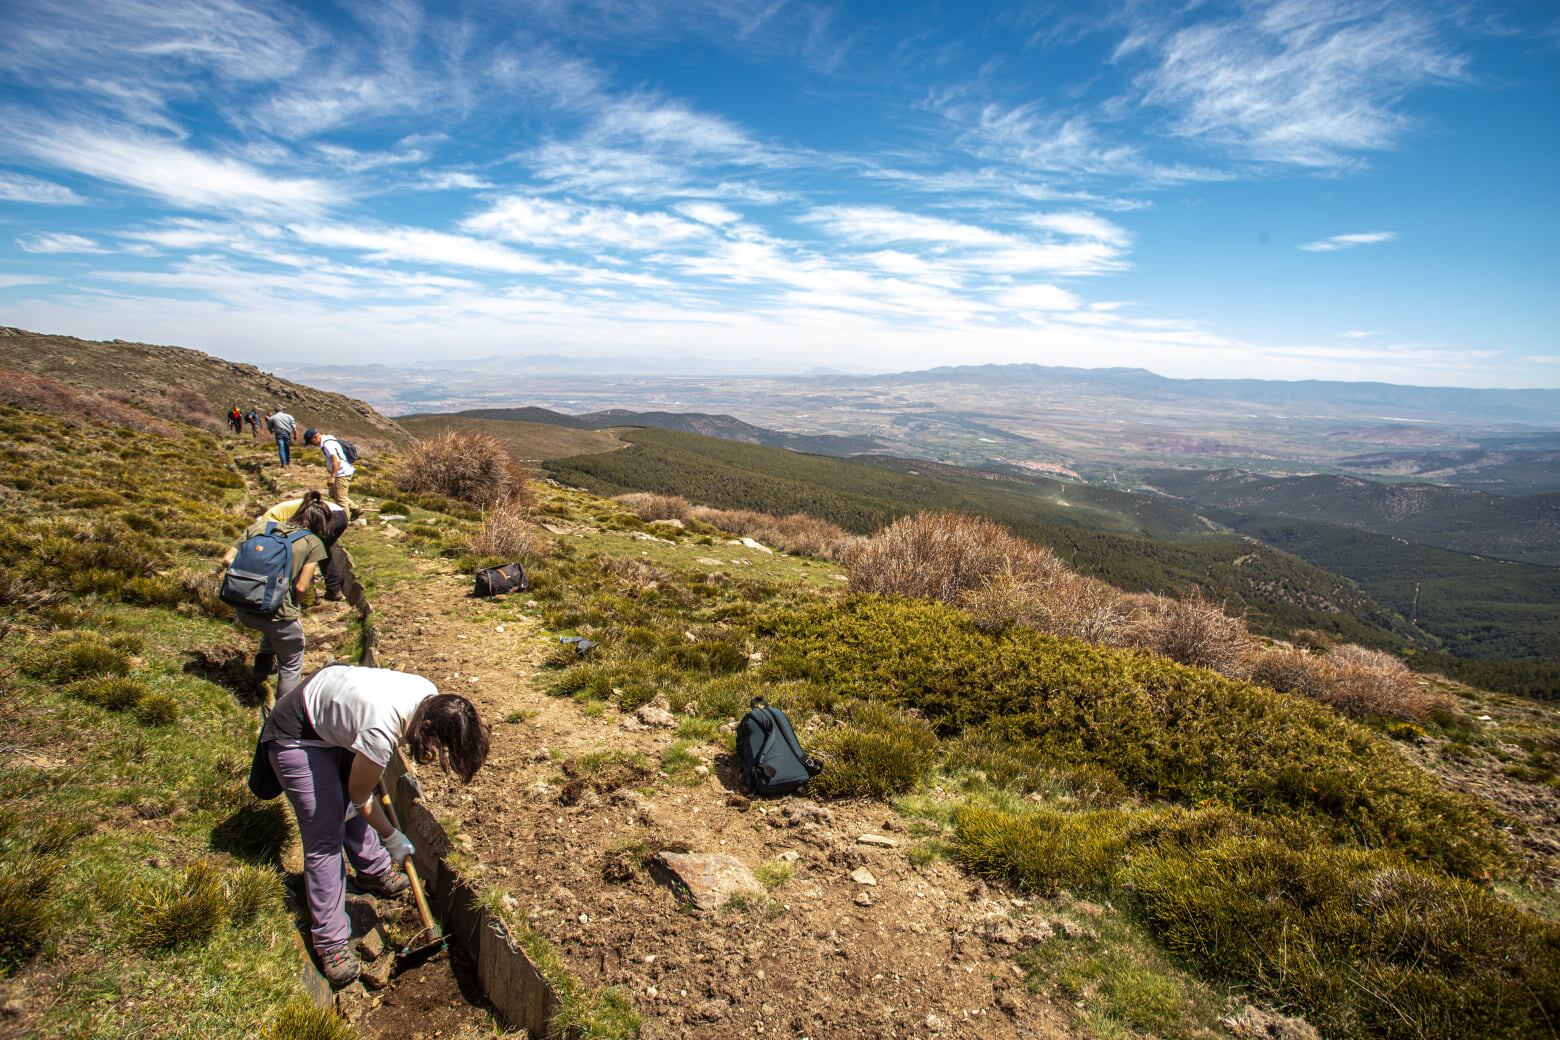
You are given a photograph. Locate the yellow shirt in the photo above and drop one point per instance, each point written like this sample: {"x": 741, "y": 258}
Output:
{"x": 282, "y": 511}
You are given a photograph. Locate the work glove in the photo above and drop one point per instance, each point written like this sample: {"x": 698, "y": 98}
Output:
{"x": 399, "y": 846}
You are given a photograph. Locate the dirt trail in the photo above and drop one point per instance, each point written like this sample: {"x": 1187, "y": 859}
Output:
{"x": 930, "y": 953}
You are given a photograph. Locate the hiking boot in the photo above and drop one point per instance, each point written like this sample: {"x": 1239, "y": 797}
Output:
{"x": 334, "y": 596}
{"x": 340, "y": 965}
{"x": 392, "y": 884}
{"x": 265, "y": 664}
{"x": 354, "y": 513}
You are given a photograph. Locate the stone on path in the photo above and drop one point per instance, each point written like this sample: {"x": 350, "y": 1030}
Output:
{"x": 751, "y": 544}
{"x": 877, "y": 841}
{"x": 863, "y": 876}
{"x": 707, "y": 880}
{"x": 658, "y": 713}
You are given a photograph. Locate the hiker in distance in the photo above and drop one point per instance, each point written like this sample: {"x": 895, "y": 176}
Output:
{"x": 328, "y": 743}
{"x": 263, "y": 588}
{"x": 282, "y": 427}
{"x": 336, "y": 563}
{"x": 252, "y": 417}
{"x": 338, "y": 460}
{"x": 235, "y": 419}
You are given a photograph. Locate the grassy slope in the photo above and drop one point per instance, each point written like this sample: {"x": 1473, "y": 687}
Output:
{"x": 142, "y": 374}
{"x": 159, "y": 903}
{"x": 1130, "y": 541}
{"x": 528, "y": 442}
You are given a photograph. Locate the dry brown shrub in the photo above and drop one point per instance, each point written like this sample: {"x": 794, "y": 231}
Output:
{"x": 1351, "y": 678}
{"x": 465, "y": 465}
{"x": 506, "y": 531}
{"x": 1193, "y": 630}
{"x": 945, "y": 556}
{"x": 1060, "y": 603}
{"x": 1369, "y": 682}
{"x": 797, "y": 533}
{"x": 1289, "y": 669}
{"x": 648, "y": 506}
{"x": 188, "y": 405}
{"x": 52, "y": 398}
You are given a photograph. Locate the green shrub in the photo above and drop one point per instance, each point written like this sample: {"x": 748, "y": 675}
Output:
{"x": 1166, "y": 730}
{"x": 719, "y": 656}
{"x": 76, "y": 655}
{"x": 1042, "y": 852}
{"x": 1365, "y": 946}
{"x": 878, "y": 753}
{"x": 157, "y": 591}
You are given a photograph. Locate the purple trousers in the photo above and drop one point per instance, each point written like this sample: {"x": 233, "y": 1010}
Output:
{"x": 315, "y": 781}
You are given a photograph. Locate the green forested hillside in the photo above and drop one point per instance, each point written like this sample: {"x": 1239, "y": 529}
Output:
{"x": 1512, "y": 527}
{"x": 1134, "y": 542}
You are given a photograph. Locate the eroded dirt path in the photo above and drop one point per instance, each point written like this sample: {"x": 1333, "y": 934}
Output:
{"x": 922, "y": 951}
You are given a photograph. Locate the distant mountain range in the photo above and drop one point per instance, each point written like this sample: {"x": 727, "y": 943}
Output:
{"x": 726, "y": 427}
{"x": 1389, "y": 400}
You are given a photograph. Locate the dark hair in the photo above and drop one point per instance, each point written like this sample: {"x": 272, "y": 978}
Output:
{"x": 447, "y": 729}
{"x": 313, "y": 515}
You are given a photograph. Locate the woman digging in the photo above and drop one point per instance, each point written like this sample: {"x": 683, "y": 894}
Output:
{"x": 328, "y": 743}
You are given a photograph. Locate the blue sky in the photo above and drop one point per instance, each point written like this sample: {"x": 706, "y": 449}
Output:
{"x": 1294, "y": 189}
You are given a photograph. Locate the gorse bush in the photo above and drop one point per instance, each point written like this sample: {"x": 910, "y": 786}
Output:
{"x": 1351, "y": 678}
{"x": 467, "y": 466}
{"x": 875, "y": 752}
{"x": 1166, "y": 730}
{"x": 1364, "y": 944}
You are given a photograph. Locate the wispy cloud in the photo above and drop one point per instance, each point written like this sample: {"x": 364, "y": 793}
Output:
{"x": 170, "y": 169}
{"x": 1334, "y": 243}
{"x": 1303, "y": 82}
{"x": 544, "y": 222}
{"x": 59, "y": 242}
{"x": 9, "y": 280}
{"x": 16, "y": 187}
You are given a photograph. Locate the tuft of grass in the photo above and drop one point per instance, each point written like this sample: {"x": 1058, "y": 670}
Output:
{"x": 183, "y": 911}
{"x": 774, "y": 873}
{"x": 464, "y": 465}
{"x": 679, "y": 763}
{"x": 77, "y": 655}
{"x": 252, "y": 891}
{"x": 157, "y": 709}
{"x": 302, "y": 1020}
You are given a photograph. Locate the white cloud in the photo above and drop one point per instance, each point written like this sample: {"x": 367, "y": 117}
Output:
{"x": 1040, "y": 298}
{"x": 546, "y": 222}
{"x": 1303, "y": 82}
{"x": 1336, "y": 242}
{"x": 59, "y": 242}
{"x": 8, "y": 281}
{"x": 419, "y": 245}
{"x": 453, "y": 180}
{"x": 16, "y": 187}
{"x": 712, "y": 213}
{"x": 171, "y": 170}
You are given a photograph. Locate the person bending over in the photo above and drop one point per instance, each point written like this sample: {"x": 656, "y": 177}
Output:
{"x": 329, "y": 742}
{"x": 281, "y": 633}
{"x": 336, "y": 565}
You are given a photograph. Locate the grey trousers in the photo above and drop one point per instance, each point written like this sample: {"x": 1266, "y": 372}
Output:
{"x": 285, "y": 640}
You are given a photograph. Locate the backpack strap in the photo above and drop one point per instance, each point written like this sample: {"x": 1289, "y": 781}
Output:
{"x": 790, "y": 738}
{"x": 766, "y": 721}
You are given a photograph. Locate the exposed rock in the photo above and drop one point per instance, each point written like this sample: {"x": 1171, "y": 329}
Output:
{"x": 863, "y": 898}
{"x": 658, "y": 713}
{"x": 711, "y": 1010}
{"x": 799, "y": 811}
{"x": 372, "y": 945}
{"x": 789, "y": 856}
{"x": 707, "y": 561}
{"x": 376, "y": 974}
{"x": 1253, "y": 1023}
{"x": 707, "y": 880}
{"x": 670, "y": 522}
{"x": 877, "y": 841}
{"x": 863, "y": 876}
{"x": 751, "y": 544}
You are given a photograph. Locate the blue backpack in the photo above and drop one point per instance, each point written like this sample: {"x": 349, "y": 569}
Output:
{"x": 260, "y": 576}
{"x": 772, "y": 761}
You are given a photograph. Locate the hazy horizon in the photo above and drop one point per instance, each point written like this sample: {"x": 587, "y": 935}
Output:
{"x": 1277, "y": 190}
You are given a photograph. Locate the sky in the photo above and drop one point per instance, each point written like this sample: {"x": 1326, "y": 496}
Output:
{"x": 1335, "y": 189}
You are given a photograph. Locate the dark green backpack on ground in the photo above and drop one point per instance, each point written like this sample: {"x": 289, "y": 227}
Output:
{"x": 772, "y": 761}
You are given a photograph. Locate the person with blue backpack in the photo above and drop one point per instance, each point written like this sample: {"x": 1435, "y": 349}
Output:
{"x": 264, "y": 575}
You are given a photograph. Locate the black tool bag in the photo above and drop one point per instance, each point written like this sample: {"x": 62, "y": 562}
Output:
{"x": 772, "y": 761}
{"x": 496, "y": 581}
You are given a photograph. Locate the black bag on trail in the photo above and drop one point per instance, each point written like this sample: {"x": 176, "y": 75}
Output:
{"x": 772, "y": 761}
{"x": 495, "y": 581}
